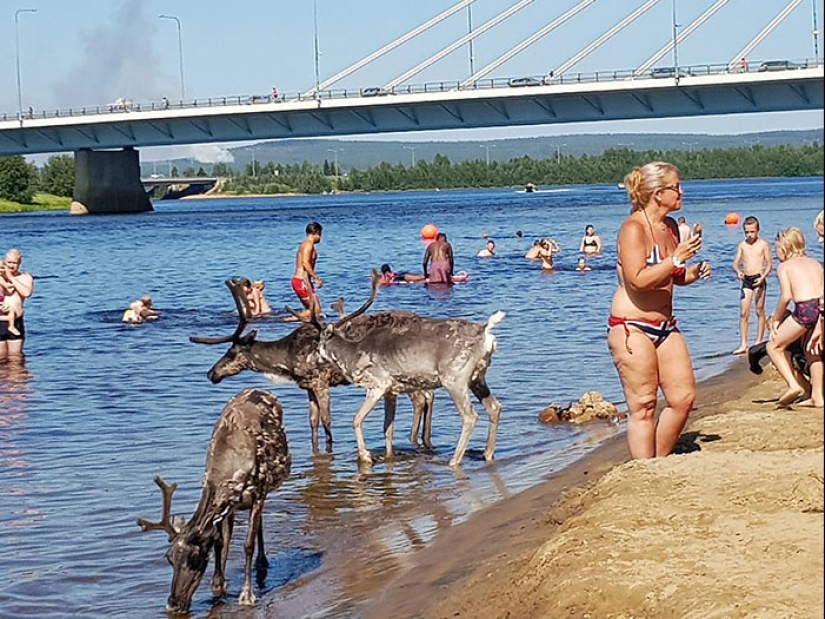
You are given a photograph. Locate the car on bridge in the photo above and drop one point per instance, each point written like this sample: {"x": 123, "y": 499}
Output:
{"x": 664, "y": 72}
{"x": 517, "y": 82}
{"x": 121, "y": 105}
{"x": 375, "y": 91}
{"x": 779, "y": 65}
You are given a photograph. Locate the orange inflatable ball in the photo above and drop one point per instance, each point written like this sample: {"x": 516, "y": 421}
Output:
{"x": 428, "y": 232}
{"x": 732, "y": 218}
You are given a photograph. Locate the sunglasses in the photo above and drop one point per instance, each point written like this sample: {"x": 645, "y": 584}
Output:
{"x": 677, "y": 187}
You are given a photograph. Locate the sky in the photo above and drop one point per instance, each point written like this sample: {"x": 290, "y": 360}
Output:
{"x": 90, "y": 52}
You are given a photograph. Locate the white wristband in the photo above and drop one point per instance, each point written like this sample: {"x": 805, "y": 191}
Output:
{"x": 677, "y": 264}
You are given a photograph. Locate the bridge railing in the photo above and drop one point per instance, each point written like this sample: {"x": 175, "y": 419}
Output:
{"x": 126, "y": 105}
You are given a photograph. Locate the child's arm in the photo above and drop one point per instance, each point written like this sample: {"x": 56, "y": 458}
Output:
{"x": 767, "y": 260}
{"x": 737, "y": 262}
{"x": 785, "y": 298}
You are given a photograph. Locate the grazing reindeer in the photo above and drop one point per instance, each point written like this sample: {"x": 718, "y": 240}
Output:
{"x": 295, "y": 358}
{"x": 247, "y": 458}
{"x": 402, "y": 352}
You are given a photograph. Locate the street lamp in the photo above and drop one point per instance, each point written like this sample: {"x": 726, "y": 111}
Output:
{"x": 558, "y": 152}
{"x": 17, "y": 58}
{"x": 487, "y": 148}
{"x": 412, "y": 155}
{"x": 336, "y": 151}
{"x": 470, "y": 31}
{"x": 675, "y": 43}
{"x": 180, "y": 54}
{"x": 317, "y": 48}
{"x": 815, "y": 31}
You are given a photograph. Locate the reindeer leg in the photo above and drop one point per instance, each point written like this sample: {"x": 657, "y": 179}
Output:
{"x": 322, "y": 397}
{"x": 261, "y": 562}
{"x": 390, "y": 403}
{"x": 221, "y": 555}
{"x": 429, "y": 399}
{"x": 419, "y": 404}
{"x": 247, "y": 596}
{"x": 314, "y": 416}
{"x": 461, "y": 399}
{"x": 373, "y": 397}
{"x": 493, "y": 408}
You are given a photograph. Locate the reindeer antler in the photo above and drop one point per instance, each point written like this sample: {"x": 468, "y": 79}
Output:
{"x": 375, "y": 278}
{"x": 165, "y": 523}
{"x": 234, "y": 286}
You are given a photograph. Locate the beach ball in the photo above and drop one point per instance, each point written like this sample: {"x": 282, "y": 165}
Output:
{"x": 732, "y": 218}
{"x": 428, "y": 232}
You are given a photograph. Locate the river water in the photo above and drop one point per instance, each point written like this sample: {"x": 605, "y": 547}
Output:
{"x": 101, "y": 407}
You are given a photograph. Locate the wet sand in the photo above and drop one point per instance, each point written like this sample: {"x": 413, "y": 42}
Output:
{"x": 732, "y": 526}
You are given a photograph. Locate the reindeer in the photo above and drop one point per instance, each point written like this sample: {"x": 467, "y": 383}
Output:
{"x": 295, "y": 358}
{"x": 402, "y": 352}
{"x": 248, "y": 458}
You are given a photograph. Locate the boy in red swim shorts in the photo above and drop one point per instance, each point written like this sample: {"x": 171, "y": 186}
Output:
{"x": 304, "y": 276}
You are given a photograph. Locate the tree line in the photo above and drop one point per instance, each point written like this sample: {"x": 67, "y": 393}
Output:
{"x": 20, "y": 180}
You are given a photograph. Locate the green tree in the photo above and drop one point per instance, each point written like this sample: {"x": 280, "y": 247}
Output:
{"x": 57, "y": 176}
{"x": 18, "y": 179}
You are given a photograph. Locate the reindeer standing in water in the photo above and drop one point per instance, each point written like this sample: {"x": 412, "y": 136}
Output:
{"x": 248, "y": 458}
{"x": 295, "y": 358}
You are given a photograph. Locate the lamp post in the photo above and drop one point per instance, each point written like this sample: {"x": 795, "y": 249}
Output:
{"x": 317, "y": 47}
{"x": 558, "y": 152}
{"x": 470, "y": 31}
{"x": 675, "y": 42}
{"x": 336, "y": 150}
{"x": 815, "y": 31}
{"x": 180, "y": 54}
{"x": 487, "y": 148}
{"x": 17, "y": 59}
{"x": 412, "y": 154}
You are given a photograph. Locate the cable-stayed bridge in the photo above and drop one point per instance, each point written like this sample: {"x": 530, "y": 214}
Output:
{"x": 658, "y": 87}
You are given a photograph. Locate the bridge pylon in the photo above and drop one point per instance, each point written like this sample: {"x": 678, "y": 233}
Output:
{"x": 108, "y": 181}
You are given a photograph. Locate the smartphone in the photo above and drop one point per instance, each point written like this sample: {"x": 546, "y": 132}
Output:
{"x": 697, "y": 229}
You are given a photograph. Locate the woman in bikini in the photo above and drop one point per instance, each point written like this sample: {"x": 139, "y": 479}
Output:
{"x": 591, "y": 244}
{"x": 648, "y": 350}
{"x": 801, "y": 281}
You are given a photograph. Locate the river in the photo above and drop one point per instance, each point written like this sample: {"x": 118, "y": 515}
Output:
{"x": 102, "y": 407}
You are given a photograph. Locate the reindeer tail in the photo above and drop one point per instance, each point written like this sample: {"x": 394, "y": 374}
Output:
{"x": 493, "y": 320}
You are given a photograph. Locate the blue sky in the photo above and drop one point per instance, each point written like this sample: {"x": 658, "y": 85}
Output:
{"x": 89, "y": 52}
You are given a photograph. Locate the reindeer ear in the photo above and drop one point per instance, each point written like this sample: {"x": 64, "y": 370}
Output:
{"x": 249, "y": 337}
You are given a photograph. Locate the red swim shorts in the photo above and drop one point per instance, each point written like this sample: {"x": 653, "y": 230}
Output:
{"x": 299, "y": 285}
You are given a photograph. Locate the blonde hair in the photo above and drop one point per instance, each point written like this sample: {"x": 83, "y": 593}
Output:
{"x": 792, "y": 242}
{"x": 642, "y": 182}
{"x": 819, "y": 221}
{"x": 146, "y": 300}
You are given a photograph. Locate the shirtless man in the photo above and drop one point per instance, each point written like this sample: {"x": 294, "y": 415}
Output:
{"x": 439, "y": 258}
{"x": 17, "y": 287}
{"x": 752, "y": 265}
{"x": 304, "y": 276}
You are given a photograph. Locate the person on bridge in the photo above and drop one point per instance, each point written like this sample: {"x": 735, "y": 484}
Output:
{"x": 305, "y": 275}
{"x": 17, "y": 286}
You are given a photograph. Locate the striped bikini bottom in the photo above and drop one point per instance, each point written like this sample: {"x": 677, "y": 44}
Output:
{"x": 656, "y": 330}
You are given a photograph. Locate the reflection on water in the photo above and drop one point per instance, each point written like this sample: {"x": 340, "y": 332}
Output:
{"x": 100, "y": 408}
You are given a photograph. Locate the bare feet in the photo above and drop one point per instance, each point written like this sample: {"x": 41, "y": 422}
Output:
{"x": 809, "y": 403}
{"x": 14, "y": 330}
{"x": 740, "y": 351}
{"x": 791, "y": 396}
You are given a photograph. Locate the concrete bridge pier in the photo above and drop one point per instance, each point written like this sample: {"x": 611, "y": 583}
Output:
{"x": 108, "y": 181}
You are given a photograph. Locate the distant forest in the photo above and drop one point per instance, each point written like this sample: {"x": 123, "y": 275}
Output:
{"x": 20, "y": 180}
{"x": 441, "y": 173}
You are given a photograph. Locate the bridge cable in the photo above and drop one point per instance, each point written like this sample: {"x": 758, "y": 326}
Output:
{"x": 682, "y": 35}
{"x": 389, "y": 47}
{"x": 526, "y": 43}
{"x": 459, "y": 43}
{"x": 734, "y": 63}
{"x": 561, "y": 69}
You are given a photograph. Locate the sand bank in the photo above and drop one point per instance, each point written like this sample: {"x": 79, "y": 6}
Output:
{"x": 732, "y": 526}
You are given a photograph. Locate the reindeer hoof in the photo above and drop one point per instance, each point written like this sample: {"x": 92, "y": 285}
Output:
{"x": 218, "y": 587}
{"x": 247, "y": 598}
{"x": 364, "y": 457}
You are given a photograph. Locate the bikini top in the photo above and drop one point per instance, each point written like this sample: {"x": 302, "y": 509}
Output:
{"x": 589, "y": 243}
{"x": 655, "y": 257}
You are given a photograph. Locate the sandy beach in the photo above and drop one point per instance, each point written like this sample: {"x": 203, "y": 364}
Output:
{"x": 730, "y": 526}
